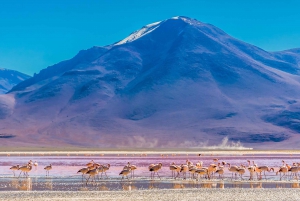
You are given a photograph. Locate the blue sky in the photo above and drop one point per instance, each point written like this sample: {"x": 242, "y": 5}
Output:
{"x": 36, "y": 34}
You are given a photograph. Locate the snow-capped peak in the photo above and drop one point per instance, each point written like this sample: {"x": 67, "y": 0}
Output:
{"x": 151, "y": 27}
{"x": 139, "y": 33}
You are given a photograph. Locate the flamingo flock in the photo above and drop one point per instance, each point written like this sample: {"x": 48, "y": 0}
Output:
{"x": 26, "y": 168}
{"x": 209, "y": 172}
{"x": 95, "y": 171}
{"x": 197, "y": 171}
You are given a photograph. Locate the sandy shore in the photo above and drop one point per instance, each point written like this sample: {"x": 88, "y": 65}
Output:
{"x": 185, "y": 194}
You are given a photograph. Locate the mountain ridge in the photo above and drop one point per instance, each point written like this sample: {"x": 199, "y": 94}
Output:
{"x": 10, "y": 78}
{"x": 174, "y": 83}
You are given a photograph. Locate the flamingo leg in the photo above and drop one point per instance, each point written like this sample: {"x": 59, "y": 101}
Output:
{"x": 20, "y": 174}
{"x": 88, "y": 180}
{"x": 158, "y": 175}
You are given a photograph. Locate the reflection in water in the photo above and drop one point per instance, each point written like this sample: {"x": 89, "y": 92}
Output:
{"x": 295, "y": 185}
{"x": 128, "y": 187}
{"x": 256, "y": 185}
{"x": 178, "y": 186}
{"x": 279, "y": 185}
{"x": 153, "y": 185}
{"x": 221, "y": 185}
{"x": 25, "y": 184}
{"x": 206, "y": 185}
{"x": 103, "y": 187}
{"x": 48, "y": 184}
{"x": 67, "y": 184}
{"x": 15, "y": 183}
{"x": 237, "y": 185}
{"x": 83, "y": 189}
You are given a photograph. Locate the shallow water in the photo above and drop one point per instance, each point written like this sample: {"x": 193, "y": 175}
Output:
{"x": 64, "y": 177}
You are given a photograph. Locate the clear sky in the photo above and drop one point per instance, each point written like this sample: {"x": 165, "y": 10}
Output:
{"x": 35, "y": 34}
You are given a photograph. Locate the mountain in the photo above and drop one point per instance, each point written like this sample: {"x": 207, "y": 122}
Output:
{"x": 10, "y": 78}
{"x": 173, "y": 83}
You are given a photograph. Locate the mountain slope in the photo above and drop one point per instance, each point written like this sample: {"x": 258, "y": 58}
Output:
{"x": 10, "y": 78}
{"x": 178, "y": 82}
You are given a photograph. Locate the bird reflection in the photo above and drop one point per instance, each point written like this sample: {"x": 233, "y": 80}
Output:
{"x": 178, "y": 186}
{"x": 256, "y": 185}
{"x": 48, "y": 183}
{"x": 83, "y": 189}
{"x": 15, "y": 183}
{"x": 282, "y": 185}
{"x": 153, "y": 185}
{"x": 206, "y": 185}
{"x": 221, "y": 185}
{"x": 128, "y": 187}
{"x": 237, "y": 185}
{"x": 25, "y": 184}
{"x": 103, "y": 187}
{"x": 295, "y": 185}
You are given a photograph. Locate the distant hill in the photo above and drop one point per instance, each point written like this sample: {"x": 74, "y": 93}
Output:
{"x": 173, "y": 83}
{"x": 10, "y": 78}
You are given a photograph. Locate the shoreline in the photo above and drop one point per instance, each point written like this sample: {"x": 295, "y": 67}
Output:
{"x": 137, "y": 152}
{"x": 170, "y": 194}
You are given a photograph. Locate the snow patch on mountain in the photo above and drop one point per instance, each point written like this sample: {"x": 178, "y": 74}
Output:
{"x": 139, "y": 33}
{"x": 10, "y": 78}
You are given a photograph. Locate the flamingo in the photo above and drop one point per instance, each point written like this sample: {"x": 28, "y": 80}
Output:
{"x": 149, "y": 167}
{"x": 92, "y": 174}
{"x": 173, "y": 168}
{"x": 199, "y": 164}
{"x": 25, "y": 169}
{"x": 90, "y": 163}
{"x": 220, "y": 171}
{"x": 261, "y": 169}
{"x": 212, "y": 168}
{"x": 192, "y": 170}
{"x": 294, "y": 171}
{"x": 202, "y": 171}
{"x": 155, "y": 169}
{"x": 251, "y": 169}
{"x": 48, "y": 168}
{"x": 184, "y": 170}
{"x": 133, "y": 168}
{"x": 127, "y": 166}
{"x": 232, "y": 169}
{"x": 241, "y": 171}
{"x": 83, "y": 171}
{"x": 103, "y": 169}
{"x": 125, "y": 172}
{"x": 13, "y": 168}
{"x": 35, "y": 165}
{"x": 283, "y": 170}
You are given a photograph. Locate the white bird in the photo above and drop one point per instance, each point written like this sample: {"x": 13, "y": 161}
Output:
{"x": 35, "y": 164}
